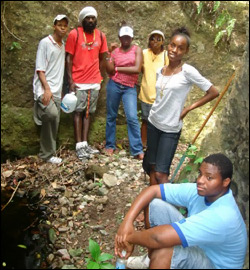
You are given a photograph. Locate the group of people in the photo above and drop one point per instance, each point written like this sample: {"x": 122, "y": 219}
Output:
{"x": 213, "y": 235}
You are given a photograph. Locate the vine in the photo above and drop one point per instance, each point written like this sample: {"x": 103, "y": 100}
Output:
{"x": 4, "y": 23}
{"x": 221, "y": 20}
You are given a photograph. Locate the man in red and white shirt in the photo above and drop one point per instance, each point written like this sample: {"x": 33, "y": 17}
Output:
{"x": 86, "y": 47}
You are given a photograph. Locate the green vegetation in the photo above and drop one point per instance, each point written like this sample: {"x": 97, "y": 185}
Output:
{"x": 15, "y": 46}
{"x": 99, "y": 183}
{"x": 224, "y": 22}
{"x": 98, "y": 259}
{"x": 192, "y": 154}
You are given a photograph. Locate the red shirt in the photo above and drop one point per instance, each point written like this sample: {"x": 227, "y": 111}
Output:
{"x": 125, "y": 59}
{"x": 85, "y": 67}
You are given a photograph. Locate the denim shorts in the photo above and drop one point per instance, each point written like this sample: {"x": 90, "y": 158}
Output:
{"x": 145, "y": 109}
{"x": 161, "y": 148}
{"x": 86, "y": 99}
{"x": 163, "y": 213}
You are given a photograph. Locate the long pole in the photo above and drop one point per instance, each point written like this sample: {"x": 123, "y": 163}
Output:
{"x": 215, "y": 106}
{"x": 203, "y": 125}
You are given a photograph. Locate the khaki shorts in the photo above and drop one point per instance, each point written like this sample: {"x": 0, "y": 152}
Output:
{"x": 86, "y": 100}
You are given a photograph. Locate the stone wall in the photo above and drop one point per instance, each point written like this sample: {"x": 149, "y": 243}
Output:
{"x": 231, "y": 136}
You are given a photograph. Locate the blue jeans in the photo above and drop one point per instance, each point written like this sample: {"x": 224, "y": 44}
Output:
{"x": 116, "y": 92}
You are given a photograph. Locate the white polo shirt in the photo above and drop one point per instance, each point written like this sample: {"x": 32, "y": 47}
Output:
{"x": 50, "y": 59}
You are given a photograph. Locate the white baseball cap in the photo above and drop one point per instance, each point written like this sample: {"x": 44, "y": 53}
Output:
{"x": 60, "y": 17}
{"x": 87, "y": 11}
{"x": 157, "y": 32}
{"x": 126, "y": 31}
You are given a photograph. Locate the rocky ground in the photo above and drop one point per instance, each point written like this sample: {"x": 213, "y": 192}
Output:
{"x": 77, "y": 200}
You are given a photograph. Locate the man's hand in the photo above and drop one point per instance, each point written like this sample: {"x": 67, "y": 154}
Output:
{"x": 113, "y": 46}
{"x": 121, "y": 242}
{"x": 129, "y": 248}
{"x": 73, "y": 87}
{"x": 46, "y": 97}
{"x": 47, "y": 92}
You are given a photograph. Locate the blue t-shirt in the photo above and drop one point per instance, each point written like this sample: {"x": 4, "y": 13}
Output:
{"x": 218, "y": 228}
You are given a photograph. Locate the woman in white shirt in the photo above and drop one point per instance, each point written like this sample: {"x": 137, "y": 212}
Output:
{"x": 173, "y": 84}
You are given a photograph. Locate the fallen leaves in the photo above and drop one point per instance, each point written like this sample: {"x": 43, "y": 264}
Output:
{"x": 7, "y": 174}
{"x": 42, "y": 193}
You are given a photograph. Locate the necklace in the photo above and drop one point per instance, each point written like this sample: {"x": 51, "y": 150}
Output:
{"x": 153, "y": 56}
{"x": 170, "y": 77}
{"x": 88, "y": 43}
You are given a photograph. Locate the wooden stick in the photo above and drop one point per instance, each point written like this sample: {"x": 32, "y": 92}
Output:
{"x": 215, "y": 106}
{"x": 11, "y": 196}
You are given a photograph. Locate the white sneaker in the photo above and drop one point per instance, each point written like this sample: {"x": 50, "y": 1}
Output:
{"x": 138, "y": 262}
{"x": 91, "y": 150}
{"x": 54, "y": 160}
{"x": 82, "y": 153}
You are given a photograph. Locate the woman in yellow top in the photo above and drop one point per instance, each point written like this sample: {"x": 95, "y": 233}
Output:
{"x": 154, "y": 58}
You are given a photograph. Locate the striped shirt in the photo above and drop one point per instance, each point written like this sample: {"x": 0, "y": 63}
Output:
{"x": 125, "y": 59}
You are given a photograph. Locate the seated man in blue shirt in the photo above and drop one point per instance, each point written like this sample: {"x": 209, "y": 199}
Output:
{"x": 213, "y": 236}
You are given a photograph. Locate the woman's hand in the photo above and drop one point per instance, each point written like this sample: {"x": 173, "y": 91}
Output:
{"x": 184, "y": 113}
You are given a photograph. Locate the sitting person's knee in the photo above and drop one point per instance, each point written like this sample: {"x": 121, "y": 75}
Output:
{"x": 161, "y": 258}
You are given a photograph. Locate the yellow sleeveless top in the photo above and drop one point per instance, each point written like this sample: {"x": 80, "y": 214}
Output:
{"x": 151, "y": 64}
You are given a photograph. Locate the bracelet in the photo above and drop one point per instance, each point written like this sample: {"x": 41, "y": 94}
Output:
{"x": 116, "y": 69}
{"x": 108, "y": 59}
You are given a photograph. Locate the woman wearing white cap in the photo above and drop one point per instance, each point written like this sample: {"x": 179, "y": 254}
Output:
{"x": 154, "y": 58}
{"x": 124, "y": 68}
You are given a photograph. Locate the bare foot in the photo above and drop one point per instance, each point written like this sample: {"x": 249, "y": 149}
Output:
{"x": 108, "y": 151}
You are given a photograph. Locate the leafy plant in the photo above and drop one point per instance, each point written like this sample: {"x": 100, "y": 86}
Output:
{"x": 224, "y": 22}
{"x": 191, "y": 151}
{"x": 198, "y": 160}
{"x": 199, "y": 9}
{"x": 15, "y": 46}
{"x": 184, "y": 180}
{"x": 99, "y": 183}
{"x": 192, "y": 154}
{"x": 98, "y": 259}
{"x": 216, "y": 5}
